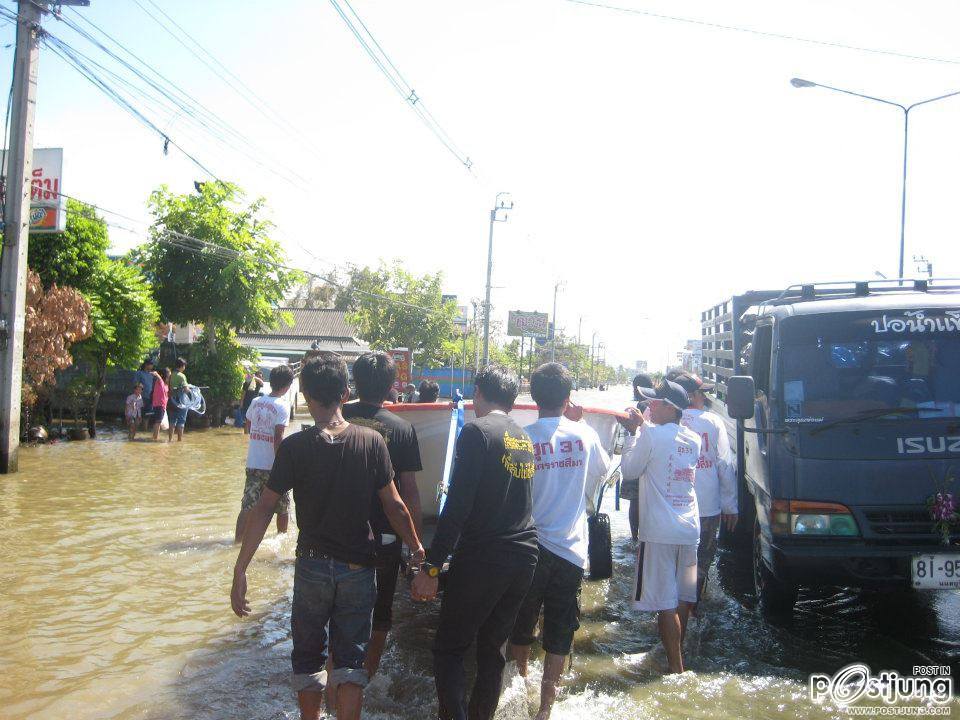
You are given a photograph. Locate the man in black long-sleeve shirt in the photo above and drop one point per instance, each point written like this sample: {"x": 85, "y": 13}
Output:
{"x": 486, "y": 524}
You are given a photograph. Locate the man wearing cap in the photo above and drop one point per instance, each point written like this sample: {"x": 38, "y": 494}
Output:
{"x": 665, "y": 457}
{"x": 630, "y": 486}
{"x": 716, "y": 483}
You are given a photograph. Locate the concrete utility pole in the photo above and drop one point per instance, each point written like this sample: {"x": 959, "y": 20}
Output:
{"x": 498, "y": 204}
{"x": 553, "y": 345}
{"x": 16, "y": 226}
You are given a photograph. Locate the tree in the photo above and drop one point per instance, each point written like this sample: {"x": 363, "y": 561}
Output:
{"x": 392, "y": 308}
{"x": 221, "y": 372}
{"x": 68, "y": 259}
{"x": 55, "y": 319}
{"x": 233, "y": 278}
{"x": 123, "y": 314}
{"x": 313, "y": 293}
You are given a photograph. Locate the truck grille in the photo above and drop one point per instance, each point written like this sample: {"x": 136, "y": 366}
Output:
{"x": 888, "y": 523}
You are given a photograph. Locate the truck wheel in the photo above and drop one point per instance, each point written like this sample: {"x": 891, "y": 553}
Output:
{"x": 774, "y": 596}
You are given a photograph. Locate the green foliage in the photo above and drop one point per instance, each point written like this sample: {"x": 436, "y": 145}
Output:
{"x": 68, "y": 259}
{"x": 402, "y": 323}
{"x": 123, "y": 314}
{"x": 238, "y": 287}
{"x": 220, "y": 371}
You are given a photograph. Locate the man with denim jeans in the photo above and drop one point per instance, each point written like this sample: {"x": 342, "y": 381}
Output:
{"x": 486, "y": 524}
{"x": 335, "y": 470}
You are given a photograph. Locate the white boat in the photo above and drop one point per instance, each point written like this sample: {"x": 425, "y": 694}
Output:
{"x": 437, "y": 424}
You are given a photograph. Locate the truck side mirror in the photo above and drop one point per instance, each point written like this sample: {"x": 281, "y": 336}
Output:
{"x": 741, "y": 393}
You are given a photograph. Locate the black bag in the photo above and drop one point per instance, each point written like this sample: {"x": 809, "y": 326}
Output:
{"x": 599, "y": 544}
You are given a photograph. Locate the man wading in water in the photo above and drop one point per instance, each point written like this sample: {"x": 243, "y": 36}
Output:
{"x": 486, "y": 524}
{"x": 373, "y": 374}
{"x": 336, "y": 471}
{"x": 570, "y": 465}
{"x": 664, "y": 457}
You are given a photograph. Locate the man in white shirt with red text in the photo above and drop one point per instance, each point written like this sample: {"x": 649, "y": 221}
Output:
{"x": 570, "y": 465}
{"x": 716, "y": 483}
{"x": 665, "y": 457}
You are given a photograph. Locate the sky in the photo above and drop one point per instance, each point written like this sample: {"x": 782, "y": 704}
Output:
{"x": 656, "y": 167}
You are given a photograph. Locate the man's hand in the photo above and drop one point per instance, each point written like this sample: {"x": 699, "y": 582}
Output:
{"x": 573, "y": 412}
{"x": 632, "y": 421}
{"x": 424, "y": 588}
{"x": 238, "y": 594}
{"x": 418, "y": 556}
{"x": 729, "y": 520}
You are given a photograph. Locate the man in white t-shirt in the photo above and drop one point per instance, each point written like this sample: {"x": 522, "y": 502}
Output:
{"x": 716, "y": 483}
{"x": 570, "y": 465}
{"x": 266, "y": 420}
{"x": 665, "y": 456}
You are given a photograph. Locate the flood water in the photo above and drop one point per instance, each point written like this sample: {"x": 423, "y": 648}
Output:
{"x": 115, "y": 568}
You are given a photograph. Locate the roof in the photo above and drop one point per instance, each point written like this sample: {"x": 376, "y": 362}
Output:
{"x": 327, "y": 327}
{"x": 906, "y": 300}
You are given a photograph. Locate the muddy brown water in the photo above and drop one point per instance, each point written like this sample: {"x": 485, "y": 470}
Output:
{"x": 115, "y": 568}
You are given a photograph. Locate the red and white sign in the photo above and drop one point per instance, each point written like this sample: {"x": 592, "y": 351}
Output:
{"x": 401, "y": 359}
{"x": 48, "y": 208}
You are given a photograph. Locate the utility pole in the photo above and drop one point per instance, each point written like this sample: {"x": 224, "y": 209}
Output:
{"x": 498, "y": 204}
{"x": 553, "y": 345}
{"x": 592, "y": 358}
{"x": 16, "y": 228}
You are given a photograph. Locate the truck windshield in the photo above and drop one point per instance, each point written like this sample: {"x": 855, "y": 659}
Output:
{"x": 858, "y": 364}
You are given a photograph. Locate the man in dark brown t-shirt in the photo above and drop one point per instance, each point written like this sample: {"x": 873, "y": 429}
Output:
{"x": 335, "y": 470}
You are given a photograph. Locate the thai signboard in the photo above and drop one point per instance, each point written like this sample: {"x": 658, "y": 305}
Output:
{"x": 529, "y": 324}
{"x": 48, "y": 208}
{"x": 402, "y": 359}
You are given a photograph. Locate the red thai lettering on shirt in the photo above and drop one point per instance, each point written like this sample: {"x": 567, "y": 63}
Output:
{"x": 261, "y": 436}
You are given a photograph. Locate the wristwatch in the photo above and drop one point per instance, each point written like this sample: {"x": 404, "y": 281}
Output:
{"x": 431, "y": 570}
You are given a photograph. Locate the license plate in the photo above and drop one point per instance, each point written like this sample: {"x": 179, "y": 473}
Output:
{"x": 935, "y": 572}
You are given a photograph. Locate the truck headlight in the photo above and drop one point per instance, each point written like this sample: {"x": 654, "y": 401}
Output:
{"x": 803, "y": 517}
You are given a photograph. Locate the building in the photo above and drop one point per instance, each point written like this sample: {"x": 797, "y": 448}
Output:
{"x": 311, "y": 329}
{"x": 691, "y": 357}
{"x": 641, "y": 366}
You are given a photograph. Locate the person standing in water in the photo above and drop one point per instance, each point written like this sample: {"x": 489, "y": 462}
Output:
{"x": 178, "y": 389}
{"x": 374, "y": 374}
{"x": 133, "y": 410}
{"x": 337, "y": 471}
{"x": 487, "y": 525}
{"x": 570, "y": 466}
{"x": 630, "y": 486}
{"x": 159, "y": 402}
{"x": 665, "y": 457}
{"x": 266, "y": 420}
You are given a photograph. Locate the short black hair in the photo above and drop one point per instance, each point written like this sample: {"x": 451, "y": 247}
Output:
{"x": 324, "y": 379}
{"x": 374, "y": 373}
{"x": 497, "y": 385}
{"x": 641, "y": 380}
{"x": 551, "y": 385}
{"x": 281, "y": 377}
{"x": 429, "y": 391}
{"x": 180, "y": 363}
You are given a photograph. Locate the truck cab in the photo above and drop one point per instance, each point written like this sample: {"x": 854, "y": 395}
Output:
{"x": 847, "y": 411}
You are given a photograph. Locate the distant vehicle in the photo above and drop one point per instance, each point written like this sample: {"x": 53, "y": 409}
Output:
{"x": 844, "y": 406}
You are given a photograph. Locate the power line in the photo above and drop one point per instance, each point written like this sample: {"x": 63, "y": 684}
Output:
{"x": 380, "y": 58}
{"x": 764, "y": 33}
{"x": 241, "y": 88}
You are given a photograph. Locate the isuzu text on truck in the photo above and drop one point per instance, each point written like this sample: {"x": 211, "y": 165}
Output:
{"x": 846, "y": 402}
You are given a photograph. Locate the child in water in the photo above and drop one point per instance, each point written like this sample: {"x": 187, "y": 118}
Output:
{"x": 134, "y": 409}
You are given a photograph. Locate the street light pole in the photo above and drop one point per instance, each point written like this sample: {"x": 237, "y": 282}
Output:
{"x": 498, "y": 204}
{"x": 553, "y": 345}
{"x": 801, "y": 83}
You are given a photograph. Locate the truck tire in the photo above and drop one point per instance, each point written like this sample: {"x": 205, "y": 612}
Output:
{"x": 774, "y": 596}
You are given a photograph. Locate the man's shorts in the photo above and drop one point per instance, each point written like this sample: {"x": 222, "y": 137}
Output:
{"x": 556, "y": 588}
{"x": 253, "y": 489}
{"x": 388, "y": 571}
{"x": 706, "y": 550}
{"x": 329, "y": 591}
{"x": 630, "y": 489}
{"x": 665, "y": 575}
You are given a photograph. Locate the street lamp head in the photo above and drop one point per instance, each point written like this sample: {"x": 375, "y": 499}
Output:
{"x": 801, "y": 83}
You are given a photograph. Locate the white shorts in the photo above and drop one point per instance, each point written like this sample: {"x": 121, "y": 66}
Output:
{"x": 665, "y": 575}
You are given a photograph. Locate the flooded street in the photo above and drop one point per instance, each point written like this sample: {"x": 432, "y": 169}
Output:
{"x": 115, "y": 566}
